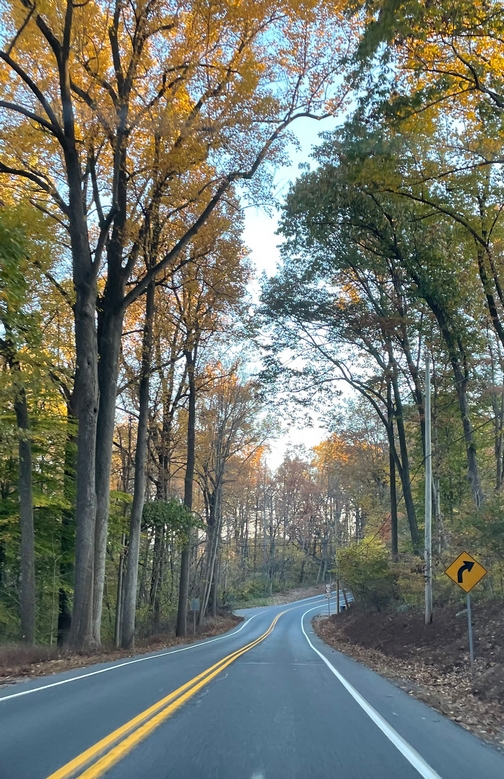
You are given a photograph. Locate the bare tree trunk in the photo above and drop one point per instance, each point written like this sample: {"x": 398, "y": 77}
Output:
{"x": 86, "y": 405}
{"x": 392, "y": 470}
{"x": 405, "y": 470}
{"x": 27, "y": 600}
{"x": 207, "y": 563}
{"x": 214, "y": 528}
{"x": 188, "y": 493}
{"x": 214, "y": 592}
{"x": 109, "y": 339}
{"x": 131, "y": 578}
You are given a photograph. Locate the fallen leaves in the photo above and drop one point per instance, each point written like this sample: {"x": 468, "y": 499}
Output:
{"x": 432, "y": 665}
{"x": 21, "y": 662}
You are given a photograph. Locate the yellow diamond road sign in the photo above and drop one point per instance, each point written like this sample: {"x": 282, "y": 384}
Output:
{"x": 465, "y": 571}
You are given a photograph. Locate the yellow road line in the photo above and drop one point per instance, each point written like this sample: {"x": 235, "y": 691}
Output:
{"x": 140, "y": 731}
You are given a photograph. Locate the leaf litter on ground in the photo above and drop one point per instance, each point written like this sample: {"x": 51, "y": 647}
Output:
{"x": 431, "y": 662}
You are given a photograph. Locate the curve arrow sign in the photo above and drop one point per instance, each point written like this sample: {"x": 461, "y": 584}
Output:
{"x": 466, "y": 571}
{"x": 467, "y": 565}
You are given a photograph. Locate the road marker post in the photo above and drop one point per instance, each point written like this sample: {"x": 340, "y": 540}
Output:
{"x": 466, "y": 572}
{"x": 195, "y": 606}
{"x": 328, "y": 596}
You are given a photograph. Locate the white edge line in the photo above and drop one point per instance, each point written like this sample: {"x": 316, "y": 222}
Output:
{"x": 128, "y": 662}
{"x": 136, "y": 660}
{"x": 411, "y": 755}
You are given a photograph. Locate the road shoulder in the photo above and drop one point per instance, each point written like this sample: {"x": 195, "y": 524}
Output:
{"x": 449, "y": 694}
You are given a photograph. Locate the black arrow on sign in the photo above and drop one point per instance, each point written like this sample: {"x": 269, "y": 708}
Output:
{"x": 467, "y": 565}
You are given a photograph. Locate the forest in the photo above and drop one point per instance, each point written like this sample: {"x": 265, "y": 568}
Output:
{"x": 142, "y": 383}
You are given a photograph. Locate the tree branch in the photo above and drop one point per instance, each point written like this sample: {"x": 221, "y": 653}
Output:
{"x": 55, "y": 126}
{"x": 43, "y": 185}
{"x": 30, "y": 115}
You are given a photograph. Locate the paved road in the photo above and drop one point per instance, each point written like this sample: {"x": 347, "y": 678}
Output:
{"x": 287, "y": 707}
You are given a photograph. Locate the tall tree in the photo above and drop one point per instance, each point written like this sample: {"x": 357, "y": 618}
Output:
{"x": 131, "y": 577}
{"x": 86, "y": 117}
{"x": 395, "y": 253}
{"x": 226, "y": 428}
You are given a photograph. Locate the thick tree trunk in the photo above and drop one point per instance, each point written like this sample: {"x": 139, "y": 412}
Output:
{"x": 27, "y": 599}
{"x": 86, "y": 405}
{"x": 188, "y": 493}
{"x": 129, "y": 605}
{"x": 486, "y": 282}
{"x": 110, "y": 332}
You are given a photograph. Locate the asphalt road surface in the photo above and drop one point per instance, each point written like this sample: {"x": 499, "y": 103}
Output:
{"x": 268, "y": 700}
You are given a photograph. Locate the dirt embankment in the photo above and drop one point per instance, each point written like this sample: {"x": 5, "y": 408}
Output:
{"x": 19, "y": 662}
{"x": 432, "y": 663}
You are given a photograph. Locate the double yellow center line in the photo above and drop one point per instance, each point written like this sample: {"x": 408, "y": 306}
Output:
{"x": 99, "y": 758}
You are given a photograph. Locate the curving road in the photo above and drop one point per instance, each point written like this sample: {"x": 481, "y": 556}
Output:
{"x": 267, "y": 701}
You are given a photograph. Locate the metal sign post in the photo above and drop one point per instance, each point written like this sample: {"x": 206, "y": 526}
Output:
{"x": 467, "y": 572}
{"x": 469, "y": 624}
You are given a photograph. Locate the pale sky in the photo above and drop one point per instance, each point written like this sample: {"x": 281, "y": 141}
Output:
{"x": 260, "y": 237}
